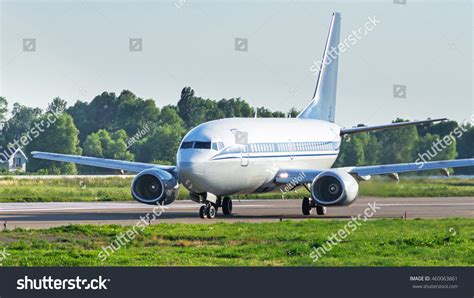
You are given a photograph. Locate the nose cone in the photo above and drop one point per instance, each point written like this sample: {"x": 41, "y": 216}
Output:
{"x": 192, "y": 169}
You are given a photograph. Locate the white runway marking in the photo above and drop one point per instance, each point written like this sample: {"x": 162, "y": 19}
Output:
{"x": 35, "y": 207}
{"x": 426, "y": 204}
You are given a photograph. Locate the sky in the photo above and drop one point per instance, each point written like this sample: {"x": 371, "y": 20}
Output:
{"x": 82, "y": 48}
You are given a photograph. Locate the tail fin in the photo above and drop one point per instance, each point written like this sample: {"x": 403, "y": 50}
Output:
{"x": 323, "y": 105}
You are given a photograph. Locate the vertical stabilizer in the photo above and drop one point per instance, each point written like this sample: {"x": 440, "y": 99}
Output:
{"x": 323, "y": 105}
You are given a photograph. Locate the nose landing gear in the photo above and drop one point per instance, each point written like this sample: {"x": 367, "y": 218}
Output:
{"x": 209, "y": 210}
{"x": 307, "y": 207}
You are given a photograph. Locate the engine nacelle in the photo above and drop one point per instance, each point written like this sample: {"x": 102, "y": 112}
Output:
{"x": 155, "y": 186}
{"x": 334, "y": 188}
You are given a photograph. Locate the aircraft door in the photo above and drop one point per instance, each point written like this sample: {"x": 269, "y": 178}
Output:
{"x": 244, "y": 155}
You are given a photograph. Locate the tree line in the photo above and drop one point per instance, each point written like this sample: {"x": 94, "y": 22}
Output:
{"x": 128, "y": 127}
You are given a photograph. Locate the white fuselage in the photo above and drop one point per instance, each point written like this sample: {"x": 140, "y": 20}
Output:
{"x": 242, "y": 155}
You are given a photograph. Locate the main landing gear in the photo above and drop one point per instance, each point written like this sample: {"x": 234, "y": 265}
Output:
{"x": 308, "y": 205}
{"x": 209, "y": 210}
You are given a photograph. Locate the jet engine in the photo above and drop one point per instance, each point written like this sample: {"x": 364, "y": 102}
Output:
{"x": 155, "y": 186}
{"x": 334, "y": 188}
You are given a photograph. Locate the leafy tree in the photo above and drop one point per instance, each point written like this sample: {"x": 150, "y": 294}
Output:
{"x": 133, "y": 113}
{"x": 398, "y": 144}
{"x": 3, "y": 118}
{"x": 196, "y": 110}
{"x": 230, "y": 108}
{"x": 185, "y": 106}
{"x": 3, "y": 109}
{"x": 109, "y": 112}
{"x": 373, "y": 150}
{"x": 441, "y": 151}
{"x": 263, "y": 112}
{"x": 293, "y": 112}
{"x": 118, "y": 148}
{"x": 432, "y": 147}
{"x": 23, "y": 118}
{"x": 93, "y": 146}
{"x": 106, "y": 145}
{"x": 59, "y": 137}
{"x": 82, "y": 119}
{"x": 169, "y": 115}
{"x": 103, "y": 110}
{"x": 352, "y": 151}
{"x": 278, "y": 114}
{"x": 57, "y": 104}
{"x": 162, "y": 144}
{"x": 441, "y": 129}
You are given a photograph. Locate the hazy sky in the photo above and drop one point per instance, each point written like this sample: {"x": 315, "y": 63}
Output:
{"x": 82, "y": 49}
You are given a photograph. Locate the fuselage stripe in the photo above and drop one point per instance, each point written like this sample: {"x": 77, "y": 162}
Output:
{"x": 275, "y": 156}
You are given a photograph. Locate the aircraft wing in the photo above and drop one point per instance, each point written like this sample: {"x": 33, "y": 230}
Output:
{"x": 410, "y": 167}
{"x": 303, "y": 176}
{"x": 114, "y": 164}
{"x": 346, "y": 131}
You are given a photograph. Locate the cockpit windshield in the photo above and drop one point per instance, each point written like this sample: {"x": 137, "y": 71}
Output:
{"x": 202, "y": 145}
{"x": 187, "y": 145}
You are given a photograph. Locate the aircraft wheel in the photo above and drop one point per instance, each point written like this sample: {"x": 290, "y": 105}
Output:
{"x": 306, "y": 206}
{"x": 320, "y": 210}
{"x": 203, "y": 212}
{"x": 227, "y": 206}
{"x": 211, "y": 211}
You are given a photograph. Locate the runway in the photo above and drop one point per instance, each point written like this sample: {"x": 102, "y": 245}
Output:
{"x": 42, "y": 215}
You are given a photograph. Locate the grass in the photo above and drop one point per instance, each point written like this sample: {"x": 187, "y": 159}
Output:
{"x": 65, "y": 189}
{"x": 118, "y": 189}
{"x": 387, "y": 242}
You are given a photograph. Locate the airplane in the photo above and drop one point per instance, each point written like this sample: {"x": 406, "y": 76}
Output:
{"x": 226, "y": 157}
